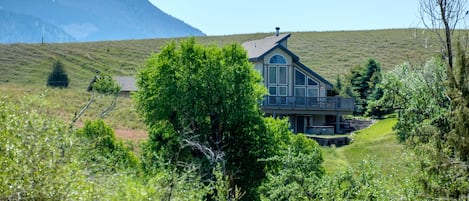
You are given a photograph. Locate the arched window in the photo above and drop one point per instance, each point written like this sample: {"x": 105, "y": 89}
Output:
{"x": 278, "y": 59}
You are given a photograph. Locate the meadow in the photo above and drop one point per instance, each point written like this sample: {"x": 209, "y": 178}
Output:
{"x": 328, "y": 53}
{"x": 24, "y": 69}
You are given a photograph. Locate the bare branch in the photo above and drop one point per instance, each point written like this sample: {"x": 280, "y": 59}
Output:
{"x": 110, "y": 107}
{"x": 82, "y": 111}
{"x": 212, "y": 156}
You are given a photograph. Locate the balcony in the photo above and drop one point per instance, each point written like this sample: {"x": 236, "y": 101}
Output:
{"x": 338, "y": 104}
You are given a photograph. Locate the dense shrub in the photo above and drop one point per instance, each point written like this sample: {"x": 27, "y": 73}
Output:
{"x": 104, "y": 84}
{"x": 37, "y": 156}
{"x": 103, "y": 149}
{"x": 296, "y": 169}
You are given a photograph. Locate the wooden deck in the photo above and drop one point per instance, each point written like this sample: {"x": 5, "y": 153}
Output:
{"x": 309, "y": 103}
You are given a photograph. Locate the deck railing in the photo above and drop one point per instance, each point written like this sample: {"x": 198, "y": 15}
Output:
{"x": 319, "y": 103}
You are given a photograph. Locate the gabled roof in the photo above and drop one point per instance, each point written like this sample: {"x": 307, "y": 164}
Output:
{"x": 127, "y": 83}
{"x": 257, "y": 49}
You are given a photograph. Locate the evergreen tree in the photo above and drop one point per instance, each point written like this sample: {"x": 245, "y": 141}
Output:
{"x": 363, "y": 83}
{"x": 58, "y": 77}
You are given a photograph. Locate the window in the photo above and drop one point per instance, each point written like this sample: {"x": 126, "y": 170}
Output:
{"x": 282, "y": 75}
{"x": 278, "y": 80}
{"x": 311, "y": 82}
{"x": 273, "y": 96}
{"x": 300, "y": 78}
{"x": 282, "y": 91}
{"x": 273, "y": 91}
{"x": 305, "y": 85}
{"x": 272, "y": 75}
{"x": 300, "y": 91}
{"x": 313, "y": 92}
{"x": 300, "y": 96}
{"x": 278, "y": 59}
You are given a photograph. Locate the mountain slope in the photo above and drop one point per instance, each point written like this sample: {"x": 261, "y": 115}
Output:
{"x": 90, "y": 20}
{"x": 25, "y": 28}
{"x": 327, "y": 53}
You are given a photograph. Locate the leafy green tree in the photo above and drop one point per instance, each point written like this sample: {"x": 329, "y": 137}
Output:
{"x": 418, "y": 95}
{"x": 432, "y": 121}
{"x": 201, "y": 105}
{"x": 362, "y": 86}
{"x": 104, "y": 84}
{"x": 297, "y": 170}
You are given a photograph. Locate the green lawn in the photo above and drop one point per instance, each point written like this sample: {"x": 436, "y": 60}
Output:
{"x": 377, "y": 142}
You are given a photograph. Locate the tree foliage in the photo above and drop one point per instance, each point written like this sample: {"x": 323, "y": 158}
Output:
{"x": 201, "y": 105}
{"x": 58, "y": 77}
{"x": 418, "y": 96}
{"x": 38, "y": 156}
{"x": 104, "y": 84}
{"x": 297, "y": 171}
{"x": 362, "y": 86}
{"x": 104, "y": 149}
{"x": 433, "y": 121}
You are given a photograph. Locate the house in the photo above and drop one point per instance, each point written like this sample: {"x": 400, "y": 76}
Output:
{"x": 127, "y": 84}
{"x": 296, "y": 91}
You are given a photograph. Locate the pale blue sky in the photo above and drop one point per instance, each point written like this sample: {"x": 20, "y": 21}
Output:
{"x": 222, "y": 17}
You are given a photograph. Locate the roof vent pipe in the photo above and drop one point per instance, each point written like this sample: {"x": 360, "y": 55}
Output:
{"x": 278, "y": 31}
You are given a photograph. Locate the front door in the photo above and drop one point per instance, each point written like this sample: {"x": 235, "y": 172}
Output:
{"x": 300, "y": 124}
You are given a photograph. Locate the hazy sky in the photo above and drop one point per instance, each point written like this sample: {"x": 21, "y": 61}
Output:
{"x": 222, "y": 17}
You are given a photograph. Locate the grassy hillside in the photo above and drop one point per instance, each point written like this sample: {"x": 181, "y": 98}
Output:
{"x": 377, "y": 143}
{"x": 328, "y": 53}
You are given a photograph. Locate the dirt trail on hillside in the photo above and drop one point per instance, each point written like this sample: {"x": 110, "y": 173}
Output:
{"x": 132, "y": 135}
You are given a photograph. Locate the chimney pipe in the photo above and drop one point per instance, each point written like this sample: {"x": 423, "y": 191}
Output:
{"x": 277, "y": 31}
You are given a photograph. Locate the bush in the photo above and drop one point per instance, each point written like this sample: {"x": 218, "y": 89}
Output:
{"x": 103, "y": 150}
{"x": 37, "y": 156}
{"x": 296, "y": 169}
{"x": 58, "y": 77}
{"x": 104, "y": 84}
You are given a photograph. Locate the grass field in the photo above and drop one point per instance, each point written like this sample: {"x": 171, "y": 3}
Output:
{"x": 376, "y": 142}
{"x": 376, "y": 149}
{"x": 328, "y": 53}
{"x": 64, "y": 103}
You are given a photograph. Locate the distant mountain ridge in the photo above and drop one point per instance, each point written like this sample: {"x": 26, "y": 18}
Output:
{"x": 87, "y": 20}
